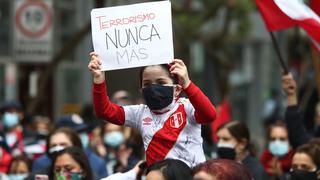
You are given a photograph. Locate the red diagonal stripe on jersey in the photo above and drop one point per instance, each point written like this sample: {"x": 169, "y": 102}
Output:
{"x": 165, "y": 138}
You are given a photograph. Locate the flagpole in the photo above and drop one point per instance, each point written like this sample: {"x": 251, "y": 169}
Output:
{"x": 316, "y": 64}
{"x": 276, "y": 47}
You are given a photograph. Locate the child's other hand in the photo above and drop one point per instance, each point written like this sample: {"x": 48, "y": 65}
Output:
{"x": 179, "y": 69}
{"x": 95, "y": 68}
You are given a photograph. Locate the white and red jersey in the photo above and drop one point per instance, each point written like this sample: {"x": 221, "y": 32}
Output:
{"x": 173, "y": 134}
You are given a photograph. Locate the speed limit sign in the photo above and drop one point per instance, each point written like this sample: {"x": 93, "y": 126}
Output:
{"x": 33, "y": 18}
{"x": 33, "y": 27}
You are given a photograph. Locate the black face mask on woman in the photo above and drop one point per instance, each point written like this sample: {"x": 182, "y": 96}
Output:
{"x": 226, "y": 153}
{"x": 303, "y": 175}
{"x": 157, "y": 96}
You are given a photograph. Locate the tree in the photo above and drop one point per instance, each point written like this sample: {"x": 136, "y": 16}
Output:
{"x": 193, "y": 21}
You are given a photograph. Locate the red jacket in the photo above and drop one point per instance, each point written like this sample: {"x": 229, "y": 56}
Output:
{"x": 5, "y": 159}
{"x": 266, "y": 158}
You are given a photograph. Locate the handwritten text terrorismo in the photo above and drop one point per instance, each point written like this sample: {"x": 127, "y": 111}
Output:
{"x": 121, "y": 38}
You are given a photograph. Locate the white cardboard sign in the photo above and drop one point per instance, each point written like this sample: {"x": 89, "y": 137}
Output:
{"x": 133, "y": 35}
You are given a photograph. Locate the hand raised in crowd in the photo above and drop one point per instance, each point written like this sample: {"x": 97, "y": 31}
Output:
{"x": 179, "y": 69}
{"x": 290, "y": 87}
{"x": 95, "y": 68}
{"x": 275, "y": 167}
{"x": 123, "y": 153}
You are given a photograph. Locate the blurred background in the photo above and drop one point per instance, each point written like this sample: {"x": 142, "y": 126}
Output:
{"x": 45, "y": 45}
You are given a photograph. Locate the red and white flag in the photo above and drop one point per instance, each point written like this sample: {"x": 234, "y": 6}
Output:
{"x": 315, "y": 6}
{"x": 282, "y": 14}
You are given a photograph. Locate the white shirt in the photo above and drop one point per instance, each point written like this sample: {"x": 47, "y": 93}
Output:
{"x": 188, "y": 145}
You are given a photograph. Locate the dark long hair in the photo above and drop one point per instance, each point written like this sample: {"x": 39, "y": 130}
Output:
{"x": 80, "y": 157}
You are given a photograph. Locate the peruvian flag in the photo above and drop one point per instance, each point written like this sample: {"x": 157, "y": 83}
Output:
{"x": 282, "y": 14}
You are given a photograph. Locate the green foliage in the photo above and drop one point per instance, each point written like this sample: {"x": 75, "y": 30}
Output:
{"x": 189, "y": 20}
{"x": 241, "y": 15}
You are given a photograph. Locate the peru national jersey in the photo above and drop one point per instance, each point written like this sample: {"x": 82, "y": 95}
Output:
{"x": 174, "y": 134}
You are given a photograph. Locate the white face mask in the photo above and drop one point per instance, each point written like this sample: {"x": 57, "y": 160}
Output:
{"x": 226, "y": 145}
{"x": 10, "y": 119}
{"x": 113, "y": 139}
{"x": 56, "y": 149}
{"x": 84, "y": 140}
{"x": 17, "y": 176}
{"x": 279, "y": 148}
{"x": 11, "y": 138}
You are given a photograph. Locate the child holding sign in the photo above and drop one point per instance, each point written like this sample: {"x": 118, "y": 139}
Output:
{"x": 170, "y": 126}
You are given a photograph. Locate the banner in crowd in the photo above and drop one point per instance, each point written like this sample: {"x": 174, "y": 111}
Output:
{"x": 133, "y": 35}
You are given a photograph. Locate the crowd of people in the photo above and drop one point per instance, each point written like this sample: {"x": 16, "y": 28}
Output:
{"x": 163, "y": 139}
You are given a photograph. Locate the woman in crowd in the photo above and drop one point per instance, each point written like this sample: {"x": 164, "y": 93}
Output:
{"x": 306, "y": 161}
{"x": 58, "y": 140}
{"x": 276, "y": 159}
{"x": 19, "y": 168}
{"x": 221, "y": 169}
{"x": 71, "y": 163}
{"x": 234, "y": 144}
{"x": 111, "y": 146}
{"x": 14, "y": 124}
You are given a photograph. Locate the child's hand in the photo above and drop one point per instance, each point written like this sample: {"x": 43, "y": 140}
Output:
{"x": 179, "y": 69}
{"x": 95, "y": 68}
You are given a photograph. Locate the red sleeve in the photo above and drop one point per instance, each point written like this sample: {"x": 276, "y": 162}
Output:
{"x": 205, "y": 112}
{"x": 104, "y": 108}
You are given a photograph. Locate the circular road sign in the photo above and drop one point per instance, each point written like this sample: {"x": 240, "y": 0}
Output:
{"x": 33, "y": 18}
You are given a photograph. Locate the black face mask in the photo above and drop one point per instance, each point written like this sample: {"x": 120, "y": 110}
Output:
{"x": 157, "y": 96}
{"x": 41, "y": 135}
{"x": 226, "y": 153}
{"x": 303, "y": 175}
